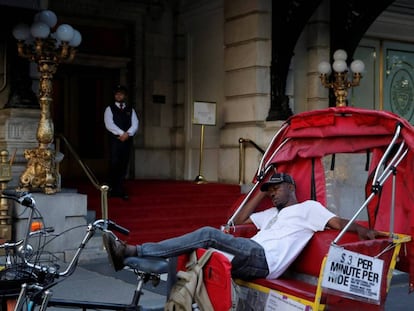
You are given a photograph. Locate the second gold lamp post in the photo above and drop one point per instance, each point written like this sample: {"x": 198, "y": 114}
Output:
{"x": 339, "y": 82}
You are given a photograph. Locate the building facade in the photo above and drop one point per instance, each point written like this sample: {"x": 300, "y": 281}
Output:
{"x": 246, "y": 64}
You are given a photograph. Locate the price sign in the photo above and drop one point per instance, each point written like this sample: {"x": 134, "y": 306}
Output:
{"x": 353, "y": 274}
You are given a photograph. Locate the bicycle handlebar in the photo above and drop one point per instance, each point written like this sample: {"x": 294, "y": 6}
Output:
{"x": 108, "y": 225}
{"x": 113, "y": 226}
{"x": 22, "y": 197}
{"x": 25, "y": 199}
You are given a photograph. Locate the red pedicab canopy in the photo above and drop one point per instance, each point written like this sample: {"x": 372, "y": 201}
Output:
{"x": 305, "y": 138}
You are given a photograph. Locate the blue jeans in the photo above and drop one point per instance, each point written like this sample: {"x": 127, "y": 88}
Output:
{"x": 249, "y": 260}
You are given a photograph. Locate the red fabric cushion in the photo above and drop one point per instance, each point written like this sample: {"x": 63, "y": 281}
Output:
{"x": 217, "y": 278}
{"x": 310, "y": 259}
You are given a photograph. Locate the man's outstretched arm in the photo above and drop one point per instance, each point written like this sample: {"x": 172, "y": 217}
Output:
{"x": 364, "y": 233}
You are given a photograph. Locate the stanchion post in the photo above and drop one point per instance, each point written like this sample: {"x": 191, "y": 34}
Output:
{"x": 204, "y": 114}
{"x": 200, "y": 178}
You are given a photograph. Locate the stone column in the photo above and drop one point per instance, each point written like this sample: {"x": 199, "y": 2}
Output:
{"x": 18, "y": 133}
{"x": 317, "y": 48}
{"x": 247, "y": 59}
{"x": 5, "y": 213}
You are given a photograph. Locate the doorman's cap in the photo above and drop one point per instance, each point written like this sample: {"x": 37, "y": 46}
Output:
{"x": 120, "y": 89}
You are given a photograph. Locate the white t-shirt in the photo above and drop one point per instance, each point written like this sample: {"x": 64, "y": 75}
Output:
{"x": 283, "y": 234}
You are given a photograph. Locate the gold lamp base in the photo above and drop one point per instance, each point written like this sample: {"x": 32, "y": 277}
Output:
{"x": 40, "y": 172}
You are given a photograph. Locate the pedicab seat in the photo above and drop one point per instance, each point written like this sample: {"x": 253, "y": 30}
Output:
{"x": 302, "y": 281}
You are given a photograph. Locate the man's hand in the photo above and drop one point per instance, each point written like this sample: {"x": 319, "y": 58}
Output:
{"x": 123, "y": 137}
{"x": 369, "y": 234}
{"x": 364, "y": 233}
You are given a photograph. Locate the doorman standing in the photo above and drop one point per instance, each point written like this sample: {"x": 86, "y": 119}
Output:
{"x": 122, "y": 123}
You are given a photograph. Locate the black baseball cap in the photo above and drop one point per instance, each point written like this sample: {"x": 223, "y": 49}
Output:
{"x": 120, "y": 88}
{"x": 277, "y": 178}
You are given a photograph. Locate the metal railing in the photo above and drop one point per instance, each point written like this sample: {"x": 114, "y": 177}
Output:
{"x": 92, "y": 178}
{"x": 104, "y": 189}
{"x": 242, "y": 156}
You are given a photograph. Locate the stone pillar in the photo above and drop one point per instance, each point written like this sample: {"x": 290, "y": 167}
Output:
{"x": 247, "y": 50}
{"x": 5, "y": 214}
{"x": 17, "y": 133}
{"x": 318, "y": 43}
{"x": 65, "y": 212}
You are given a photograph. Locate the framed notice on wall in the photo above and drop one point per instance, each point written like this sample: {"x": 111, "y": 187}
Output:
{"x": 204, "y": 113}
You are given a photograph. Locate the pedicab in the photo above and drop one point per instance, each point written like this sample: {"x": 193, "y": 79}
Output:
{"x": 360, "y": 159}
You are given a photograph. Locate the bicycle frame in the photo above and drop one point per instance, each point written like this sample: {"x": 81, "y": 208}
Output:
{"x": 159, "y": 267}
{"x": 38, "y": 294}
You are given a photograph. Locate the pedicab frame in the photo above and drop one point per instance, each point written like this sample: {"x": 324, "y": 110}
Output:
{"x": 299, "y": 148}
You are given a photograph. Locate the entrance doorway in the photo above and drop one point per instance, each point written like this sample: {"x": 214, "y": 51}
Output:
{"x": 81, "y": 94}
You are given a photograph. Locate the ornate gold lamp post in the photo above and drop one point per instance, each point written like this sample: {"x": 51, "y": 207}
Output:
{"x": 47, "y": 49}
{"x": 340, "y": 83}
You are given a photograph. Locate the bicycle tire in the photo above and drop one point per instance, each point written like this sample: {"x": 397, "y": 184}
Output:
{"x": 11, "y": 280}
{"x": 28, "y": 305}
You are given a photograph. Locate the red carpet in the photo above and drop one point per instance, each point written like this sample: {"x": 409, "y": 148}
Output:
{"x": 160, "y": 209}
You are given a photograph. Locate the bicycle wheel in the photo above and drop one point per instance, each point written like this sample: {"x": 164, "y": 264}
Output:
{"x": 7, "y": 304}
{"x": 11, "y": 280}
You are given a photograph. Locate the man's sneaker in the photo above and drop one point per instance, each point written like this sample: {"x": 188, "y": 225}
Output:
{"x": 115, "y": 249}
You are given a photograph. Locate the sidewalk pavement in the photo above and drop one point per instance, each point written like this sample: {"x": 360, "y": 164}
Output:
{"x": 95, "y": 280}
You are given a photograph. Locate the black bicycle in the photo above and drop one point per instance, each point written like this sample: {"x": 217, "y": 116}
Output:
{"x": 27, "y": 280}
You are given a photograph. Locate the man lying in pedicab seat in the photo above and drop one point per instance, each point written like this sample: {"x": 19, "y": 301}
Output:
{"x": 284, "y": 230}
